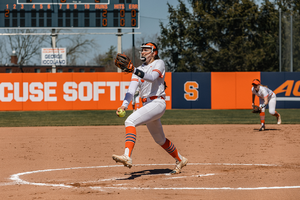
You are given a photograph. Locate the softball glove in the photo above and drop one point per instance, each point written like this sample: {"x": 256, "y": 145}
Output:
{"x": 255, "y": 109}
{"x": 124, "y": 63}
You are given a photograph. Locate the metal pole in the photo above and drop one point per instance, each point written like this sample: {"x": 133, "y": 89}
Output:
{"x": 291, "y": 42}
{"x": 279, "y": 39}
{"x": 119, "y": 44}
{"x": 53, "y": 35}
{"x": 133, "y": 49}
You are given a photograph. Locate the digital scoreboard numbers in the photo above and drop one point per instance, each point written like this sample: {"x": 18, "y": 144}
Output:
{"x": 64, "y": 1}
{"x": 67, "y": 14}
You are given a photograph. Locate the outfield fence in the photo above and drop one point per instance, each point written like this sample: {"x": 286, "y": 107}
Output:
{"x": 106, "y": 90}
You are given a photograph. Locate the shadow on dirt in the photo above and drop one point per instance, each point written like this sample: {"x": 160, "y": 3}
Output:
{"x": 268, "y": 129}
{"x": 137, "y": 174}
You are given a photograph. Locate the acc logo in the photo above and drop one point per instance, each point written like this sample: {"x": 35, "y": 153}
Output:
{"x": 191, "y": 91}
{"x": 287, "y": 88}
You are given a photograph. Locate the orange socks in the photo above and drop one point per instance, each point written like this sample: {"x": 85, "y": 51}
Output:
{"x": 262, "y": 117}
{"x": 276, "y": 114}
{"x": 171, "y": 149}
{"x": 130, "y": 139}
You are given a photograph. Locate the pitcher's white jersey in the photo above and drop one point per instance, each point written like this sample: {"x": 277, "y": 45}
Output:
{"x": 155, "y": 88}
{"x": 263, "y": 92}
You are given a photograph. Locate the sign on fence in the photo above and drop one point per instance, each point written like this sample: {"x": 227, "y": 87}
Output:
{"x": 54, "y": 56}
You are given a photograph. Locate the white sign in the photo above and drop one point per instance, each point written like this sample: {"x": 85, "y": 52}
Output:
{"x": 56, "y": 56}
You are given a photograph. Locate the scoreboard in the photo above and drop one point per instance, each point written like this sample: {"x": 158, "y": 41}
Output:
{"x": 69, "y": 14}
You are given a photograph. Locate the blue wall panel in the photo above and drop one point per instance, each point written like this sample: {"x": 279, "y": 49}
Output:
{"x": 275, "y": 79}
{"x": 203, "y": 82}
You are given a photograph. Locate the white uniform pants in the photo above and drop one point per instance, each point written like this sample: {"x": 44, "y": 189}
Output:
{"x": 150, "y": 114}
{"x": 272, "y": 104}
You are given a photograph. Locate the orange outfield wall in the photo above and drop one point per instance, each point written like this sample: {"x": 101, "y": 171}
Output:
{"x": 232, "y": 90}
{"x": 67, "y": 91}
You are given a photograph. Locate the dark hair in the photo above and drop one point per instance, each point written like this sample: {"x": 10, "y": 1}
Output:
{"x": 156, "y": 56}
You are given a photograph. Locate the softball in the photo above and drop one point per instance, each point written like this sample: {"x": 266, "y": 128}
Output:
{"x": 121, "y": 113}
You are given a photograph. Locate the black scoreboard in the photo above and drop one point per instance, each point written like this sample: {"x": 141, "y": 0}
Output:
{"x": 69, "y": 14}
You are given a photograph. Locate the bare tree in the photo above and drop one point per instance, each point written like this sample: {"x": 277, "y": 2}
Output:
{"x": 107, "y": 59}
{"x": 78, "y": 46}
{"x": 26, "y": 46}
{"x": 147, "y": 38}
{"x": 1, "y": 52}
{"x": 29, "y": 46}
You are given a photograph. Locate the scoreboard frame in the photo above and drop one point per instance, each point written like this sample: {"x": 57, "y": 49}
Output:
{"x": 83, "y": 14}
{"x": 64, "y": 2}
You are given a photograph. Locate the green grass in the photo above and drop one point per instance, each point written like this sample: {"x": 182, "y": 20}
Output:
{"x": 289, "y": 116}
{"x": 109, "y": 118}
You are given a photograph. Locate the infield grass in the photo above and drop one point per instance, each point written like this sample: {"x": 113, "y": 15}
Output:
{"x": 109, "y": 118}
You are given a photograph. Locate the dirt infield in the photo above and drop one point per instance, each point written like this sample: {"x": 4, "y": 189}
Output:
{"x": 225, "y": 162}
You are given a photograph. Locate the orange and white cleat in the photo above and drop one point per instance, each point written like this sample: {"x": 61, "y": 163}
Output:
{"x": 124, "y": 159}
{"x": 262, "y": 128}
{"x": 279, "y": 119}
{"x": 179, "y": 166}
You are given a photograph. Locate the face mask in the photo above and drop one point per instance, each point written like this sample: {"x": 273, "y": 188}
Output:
{"x": 143, "y": 58}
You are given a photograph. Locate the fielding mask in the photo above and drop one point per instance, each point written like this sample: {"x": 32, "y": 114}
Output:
{"x": 148, "y": 45}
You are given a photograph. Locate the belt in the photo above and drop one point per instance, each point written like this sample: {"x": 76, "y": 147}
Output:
{"x": 151, "y": 98}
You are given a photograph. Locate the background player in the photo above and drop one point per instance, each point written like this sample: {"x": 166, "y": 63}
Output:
{"x": 266, "y": 96}
{"x": 149, "y": 77}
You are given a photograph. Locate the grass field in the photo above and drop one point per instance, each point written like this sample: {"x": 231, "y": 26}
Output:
{"x": 109, "y": 118}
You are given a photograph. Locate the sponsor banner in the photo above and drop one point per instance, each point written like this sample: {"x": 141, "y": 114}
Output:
{"x": 191, "y": 90}
{"x": 286, "y": 86}
{"x": 67, "y": 91}
{"x": 54, "y": 56}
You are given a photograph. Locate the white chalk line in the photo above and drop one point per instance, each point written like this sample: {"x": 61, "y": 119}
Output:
{"x": 199, "y": 175}
{"x": 17, "y": 180}
{"x": 6, "y": 184}
{"x": 199, "y": 188}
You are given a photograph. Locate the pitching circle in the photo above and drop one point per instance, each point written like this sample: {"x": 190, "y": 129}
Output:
{"x": 17, "y": 180}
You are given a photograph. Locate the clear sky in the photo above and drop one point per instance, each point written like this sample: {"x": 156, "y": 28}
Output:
{"x": 152, "y": 12}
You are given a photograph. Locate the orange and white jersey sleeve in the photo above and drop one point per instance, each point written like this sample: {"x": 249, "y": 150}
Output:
{"x": 263, "y": 92}
{"x": 159, "y": 67}
{"x": 131, "y": 90}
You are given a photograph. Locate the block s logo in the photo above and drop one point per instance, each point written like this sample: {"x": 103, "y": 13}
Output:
{"x": 191, "y": 91}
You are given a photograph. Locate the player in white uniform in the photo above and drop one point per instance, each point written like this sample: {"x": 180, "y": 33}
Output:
{"x": 149, "y": 77}
{"x": 266, "y": 96}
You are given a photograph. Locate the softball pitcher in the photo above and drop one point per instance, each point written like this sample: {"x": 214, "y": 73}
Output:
{"x": 266, "y": 96}
{"x": 149, "y": 77}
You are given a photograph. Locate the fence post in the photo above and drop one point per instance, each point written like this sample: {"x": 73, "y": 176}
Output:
{"x": 279, "y": 39}
{"x": 291, "y": 42}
